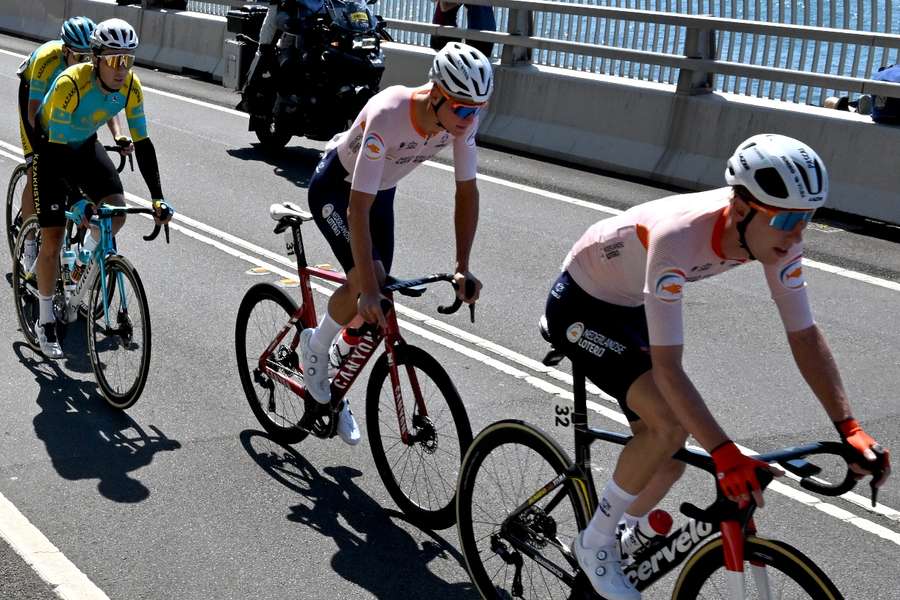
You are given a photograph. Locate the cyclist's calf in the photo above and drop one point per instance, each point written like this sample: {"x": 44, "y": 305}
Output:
{"x": 47, "y": 265}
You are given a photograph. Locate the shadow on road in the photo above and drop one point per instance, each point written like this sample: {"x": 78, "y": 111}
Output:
{"x": 374, "y": 552}
{"x": 85, "y": 437}
{"x": 294, "y": 163}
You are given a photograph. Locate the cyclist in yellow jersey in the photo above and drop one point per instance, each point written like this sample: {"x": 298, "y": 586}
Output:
{"x": 36, "y": 74}
{"x": 69, "y": 157}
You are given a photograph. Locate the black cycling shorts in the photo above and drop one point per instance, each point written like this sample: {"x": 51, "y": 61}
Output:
{"x": 329, "y": 198}
{"x": 609, "y": 341}
{"x": 59, "y": 171}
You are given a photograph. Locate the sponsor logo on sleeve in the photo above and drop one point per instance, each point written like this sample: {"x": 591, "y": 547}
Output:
{"x": 373, "y": 146}
{"x": 792, "y": 274}
{"x": 669, "y": 285}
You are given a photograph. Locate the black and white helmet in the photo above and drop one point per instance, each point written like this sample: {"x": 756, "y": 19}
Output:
{"x": 464, "y": 72}
{"x": 779, "y": 171}
{"x": 114, "y": 34}
{"x": 76, "y": 33}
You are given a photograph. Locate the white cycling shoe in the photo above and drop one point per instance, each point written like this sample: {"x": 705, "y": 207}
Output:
{"x": 315, "y": 369}
{"x": 347, "y": 427}
{"x": 46, "y": 335}
{"x": 603, "y": 567}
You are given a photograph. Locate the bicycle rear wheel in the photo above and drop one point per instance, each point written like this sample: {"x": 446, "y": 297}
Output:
{"x": 773, "y": 570}
{"x": 17, "y": 182}
{"x": 24, "y": 283}
{"x": 264, "y": 311}
{"x": 119, "y": 350}
{"x": 420, "y": 475}
{"x": 507, "y": 464}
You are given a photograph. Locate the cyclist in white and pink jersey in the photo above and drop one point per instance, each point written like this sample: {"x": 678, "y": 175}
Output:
{"x": 352, "y": 191}
{"x": 617, "y": 309}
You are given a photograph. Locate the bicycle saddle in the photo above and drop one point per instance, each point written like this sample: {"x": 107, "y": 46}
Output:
{"x": 555, "y": 355}
{"x": 288, "y": 209}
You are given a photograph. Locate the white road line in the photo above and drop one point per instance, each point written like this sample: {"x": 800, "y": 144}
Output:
{"x": 41, "y": 555}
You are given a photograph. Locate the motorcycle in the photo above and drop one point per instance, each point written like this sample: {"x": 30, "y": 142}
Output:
{"x": 323, "y": 77}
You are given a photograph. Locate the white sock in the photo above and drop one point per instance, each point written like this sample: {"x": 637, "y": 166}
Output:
{"x": 324, "y": 335}
{"x": 630, "y": 520}
{"x": 46, "y": 305}
{"x": 601, "y": 531}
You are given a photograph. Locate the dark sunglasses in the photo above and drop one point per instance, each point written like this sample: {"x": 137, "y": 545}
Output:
{"x": 81, "y": 57}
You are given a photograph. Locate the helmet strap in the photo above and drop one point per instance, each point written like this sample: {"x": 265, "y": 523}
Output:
{"x": 105, "y": 87}
{"x": 437, "y": 106}
{"x": 742, "y": 231}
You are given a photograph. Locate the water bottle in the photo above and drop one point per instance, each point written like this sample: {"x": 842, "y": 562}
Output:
{"x": 649, "y": 529}
{"x": 341, "y": 348}
{"x": 67, "y": 262}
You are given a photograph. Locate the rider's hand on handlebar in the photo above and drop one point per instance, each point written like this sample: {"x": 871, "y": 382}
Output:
{"x": 126, "y": 146}
{"x": 460, "y": 279}
{"x": 369, "y": 308}
{"x": 162, "y": 212}
{"x": 865, "y": 445}
{"x": 736, "y": 473}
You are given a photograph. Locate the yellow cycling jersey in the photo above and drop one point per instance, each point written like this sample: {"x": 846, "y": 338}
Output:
{"x": 41, "y": 68}
{"x": 76, "y": 106}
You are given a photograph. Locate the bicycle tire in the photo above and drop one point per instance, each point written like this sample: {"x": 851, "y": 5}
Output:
{"x": 27, "y": 308}
{"x": 804, "y": 575}
{"x": 14, "y": 206}
{"x": 506, "y": 454}
{"x": 279, "y": 419}
{"x": 436, "y": 456}
{"x": 109, "y": 348}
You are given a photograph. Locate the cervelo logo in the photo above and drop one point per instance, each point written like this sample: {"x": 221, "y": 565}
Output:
{"x": 669, "y": 285}
{"x": 791, "y": 275}
{"x": 679, "y": 545}
{"x": 373, "y": 146}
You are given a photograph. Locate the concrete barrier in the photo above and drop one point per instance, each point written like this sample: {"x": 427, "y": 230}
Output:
{"x": 39, "y": 20}
{"x": 645, "y": 129}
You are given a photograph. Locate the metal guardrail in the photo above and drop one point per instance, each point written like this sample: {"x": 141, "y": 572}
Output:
{"x": 794, "y": 59}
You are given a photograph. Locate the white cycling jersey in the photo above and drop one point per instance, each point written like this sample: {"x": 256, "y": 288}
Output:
{"x": 648, "y": 253}
{"x": 385, "y": 143}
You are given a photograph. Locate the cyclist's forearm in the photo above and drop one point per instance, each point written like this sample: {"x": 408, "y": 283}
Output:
{"x": 33, "y": 106}
{"x": 687, "y": 404}
{"x": 819, "y": 369}
{"x": 149, "y": 167}
{"x": 114, "y": 128}
{"x": 361, "y": 240}
{"x": 466, "y": 222}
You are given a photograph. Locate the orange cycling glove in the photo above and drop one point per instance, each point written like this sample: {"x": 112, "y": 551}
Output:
{"x": 854, "y": 436}
{"x": 735, "y": 471}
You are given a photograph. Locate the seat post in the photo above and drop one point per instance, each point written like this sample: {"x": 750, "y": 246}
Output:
{"x": 579, "y": 418}
{"x": 299, "y": 251}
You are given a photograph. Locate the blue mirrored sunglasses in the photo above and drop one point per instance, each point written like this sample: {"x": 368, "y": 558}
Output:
{"x": 786, "y": 220}
{"x": 464, "y": 111}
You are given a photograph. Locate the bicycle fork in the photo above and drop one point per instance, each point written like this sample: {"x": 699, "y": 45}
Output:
{"x": 733, "y": 537}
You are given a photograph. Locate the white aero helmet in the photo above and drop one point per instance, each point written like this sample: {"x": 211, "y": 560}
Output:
{"x": 779, "y": 171}
{"x": 114, "y": 34}
{"x": 464, "y": 72}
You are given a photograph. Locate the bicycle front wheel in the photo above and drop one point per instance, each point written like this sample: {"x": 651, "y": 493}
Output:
{"x": 419, "y": 474}
{"x": 17, "y": 182}
{"x": 119, "y": 334}
{"x": 263, "y": 313}
{"x": 773, "y": 570}
{"x": 24, "y": 283}
{"x": 505, "y": 468}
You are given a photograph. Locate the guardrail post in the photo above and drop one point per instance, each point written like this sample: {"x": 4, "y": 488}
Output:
{"x": 521, "y": 22}
{"x": 698, "y": 43}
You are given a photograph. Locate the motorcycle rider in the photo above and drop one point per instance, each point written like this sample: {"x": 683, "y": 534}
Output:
{"x": 282, "y": 17}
